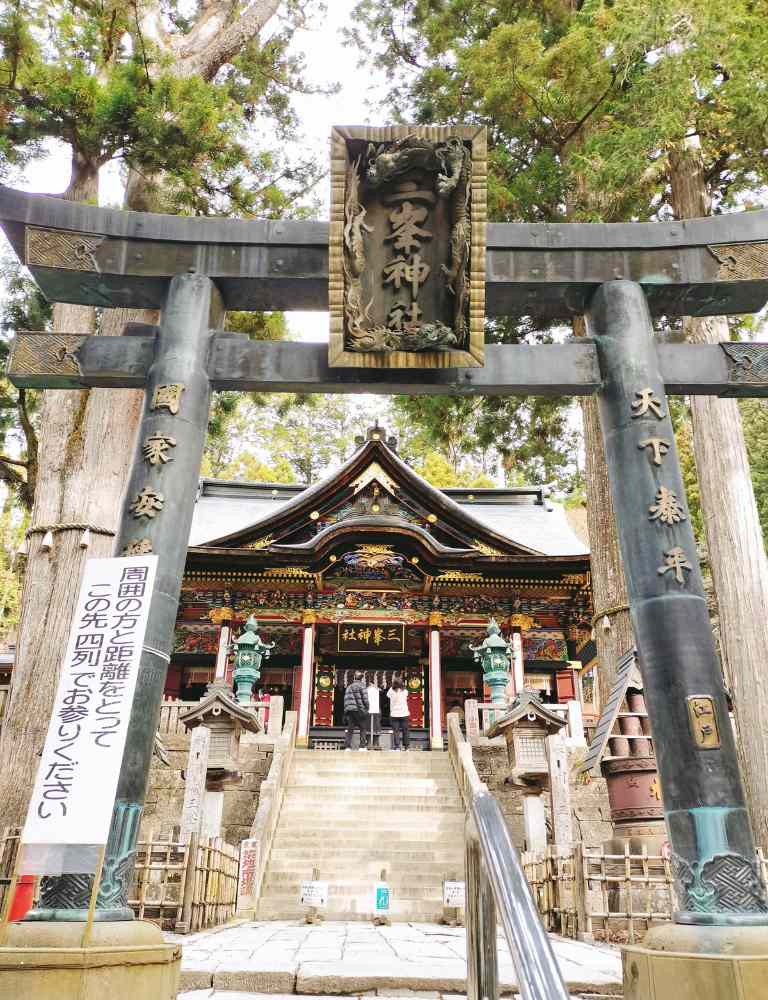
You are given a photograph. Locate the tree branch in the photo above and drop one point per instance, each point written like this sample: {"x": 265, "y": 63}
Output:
{"x": 13, "y": 461}
{"x": 221, "y": 41}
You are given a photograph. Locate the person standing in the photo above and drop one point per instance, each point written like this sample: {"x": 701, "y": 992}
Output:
{"x": 398, "y": 714}
{"x": 374, "y": 712}
{"x": 356, "y": 711}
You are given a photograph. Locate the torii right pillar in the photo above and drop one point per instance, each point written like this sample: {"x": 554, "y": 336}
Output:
{"x": 716, "y": 948}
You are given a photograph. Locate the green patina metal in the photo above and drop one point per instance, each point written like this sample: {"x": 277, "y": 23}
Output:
{"x": 494, "y": 654}
{"x": 250, "y": 650}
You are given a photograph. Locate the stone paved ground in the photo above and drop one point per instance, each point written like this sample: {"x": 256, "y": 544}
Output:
{"x": 353, "y": 959}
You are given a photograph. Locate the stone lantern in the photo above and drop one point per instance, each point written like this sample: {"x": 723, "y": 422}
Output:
{"x": 227, "y": 721}
{"x": 527, "y": 727}
{"x": 494, "y": 654}
{"x": 250, "y": 650}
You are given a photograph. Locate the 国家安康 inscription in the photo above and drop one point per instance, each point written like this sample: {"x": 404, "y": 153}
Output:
{"x": 407, "y": 247}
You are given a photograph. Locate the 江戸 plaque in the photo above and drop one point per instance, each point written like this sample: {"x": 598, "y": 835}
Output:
{"x": 407, "y": 247}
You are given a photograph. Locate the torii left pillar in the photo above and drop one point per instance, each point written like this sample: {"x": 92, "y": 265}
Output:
{"x": 156, "y": 517}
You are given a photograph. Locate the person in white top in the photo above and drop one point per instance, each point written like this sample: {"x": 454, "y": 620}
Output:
{"x": 374, "y": 714}
{"x": 398, "y": 714}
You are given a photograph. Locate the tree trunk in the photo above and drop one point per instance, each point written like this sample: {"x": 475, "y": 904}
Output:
{"x": 609, "y": 589}
{"x": 85, "y": 449}
{"x": 732, "y": 527}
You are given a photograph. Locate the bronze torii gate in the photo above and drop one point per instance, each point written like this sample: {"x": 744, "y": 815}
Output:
{"x": 617, "y": 275}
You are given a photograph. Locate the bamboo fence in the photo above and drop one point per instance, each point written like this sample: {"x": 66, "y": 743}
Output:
{"x": 182, "y": 887}
{"x": 610, "y": 897}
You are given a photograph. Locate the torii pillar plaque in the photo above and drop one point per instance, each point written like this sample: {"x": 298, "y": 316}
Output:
{"x": 195, "y": 268}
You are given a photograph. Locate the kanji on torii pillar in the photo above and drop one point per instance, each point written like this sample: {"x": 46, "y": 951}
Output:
{"x": 617, "y": 275}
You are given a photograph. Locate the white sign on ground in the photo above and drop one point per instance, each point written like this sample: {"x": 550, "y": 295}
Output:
{"x": 454, "y": 894}
{"x": 71, "y": 806}
{"x": 314, "y": 894}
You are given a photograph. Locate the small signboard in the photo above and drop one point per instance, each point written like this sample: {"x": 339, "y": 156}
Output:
{"x": 382, "y": 896}
{"x": 454, "y": 894}
{"x": 314, "y": 894}
{"x": 371, "y": 637}
{"x": 70, "y": 810}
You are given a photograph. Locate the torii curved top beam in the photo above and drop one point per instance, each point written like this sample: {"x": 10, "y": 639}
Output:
{"x": 99, "y": 256}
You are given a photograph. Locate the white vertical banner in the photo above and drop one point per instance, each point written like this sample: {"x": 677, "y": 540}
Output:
{"x": 71, "y": 806}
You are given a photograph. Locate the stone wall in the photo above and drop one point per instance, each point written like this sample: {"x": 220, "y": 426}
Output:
{"x": 165, "y": 792}
{"x": 589, "y": 803}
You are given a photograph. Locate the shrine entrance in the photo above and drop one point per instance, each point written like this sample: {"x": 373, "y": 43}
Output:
{"x": 337, "y": 660}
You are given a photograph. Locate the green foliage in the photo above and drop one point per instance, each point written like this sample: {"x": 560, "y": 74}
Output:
{"x": 90, "y": 77}
{"x": 287, "y": 438}
{"x": 12, "y": 528}
{"x": 438, "y": 471}
{"x": 23, "y": 308}
{"x": 584, "y": 104}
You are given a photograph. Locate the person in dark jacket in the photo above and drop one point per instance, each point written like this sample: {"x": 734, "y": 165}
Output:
{"x": 356, "y": 711}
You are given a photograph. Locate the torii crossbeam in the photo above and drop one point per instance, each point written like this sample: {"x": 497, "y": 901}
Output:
{"x": 617, "y": 275}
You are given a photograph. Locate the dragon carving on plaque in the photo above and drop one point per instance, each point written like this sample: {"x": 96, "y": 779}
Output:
{"x": 407, "y": 247}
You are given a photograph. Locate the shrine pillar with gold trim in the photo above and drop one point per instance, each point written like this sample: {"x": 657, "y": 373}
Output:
{"x": 518, "y": 624}
{"x": 223, "y": 618}
{"x": 308, "y": 620}
{"x": 435, "y": 683}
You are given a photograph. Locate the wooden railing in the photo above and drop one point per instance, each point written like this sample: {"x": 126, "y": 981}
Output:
{"x": 171, "y": 712}
{"x": 460, "y": 753}
{"x": 254, "y": 852}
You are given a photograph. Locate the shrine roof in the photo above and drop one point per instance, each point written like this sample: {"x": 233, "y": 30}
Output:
{"x": 523, "y": 516}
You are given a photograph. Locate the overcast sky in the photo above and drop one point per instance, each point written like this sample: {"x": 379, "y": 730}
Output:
{"x": 328, "y": 61}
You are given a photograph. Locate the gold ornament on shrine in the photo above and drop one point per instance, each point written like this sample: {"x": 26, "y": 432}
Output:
{"x": 407, "y": 247}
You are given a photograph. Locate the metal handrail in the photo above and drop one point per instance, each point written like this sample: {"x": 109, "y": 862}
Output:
{"x": 494, "y": 875}
{"x": 495, "y": 882}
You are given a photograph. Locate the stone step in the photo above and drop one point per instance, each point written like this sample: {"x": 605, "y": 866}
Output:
{"x": 379, "y": 760}
{"x": 392, "y": 807}
{"x": 300, "y": 868}
{"x": 348, "y": 908}
{"x": 285, "y": 854}
{"x": 371, "y": 759}
{"x": 354, "y": 888}
{"x": 345, "y": 830}
{"x": 353, "y": 779}
{"x": 369, "y": 790}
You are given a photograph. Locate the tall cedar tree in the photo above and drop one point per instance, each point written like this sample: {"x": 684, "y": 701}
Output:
{"x": 618, "y": 111}
{"x": 172, "y": 97}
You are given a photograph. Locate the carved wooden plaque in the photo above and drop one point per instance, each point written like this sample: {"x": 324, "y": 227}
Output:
{"x": 407, "y": 247}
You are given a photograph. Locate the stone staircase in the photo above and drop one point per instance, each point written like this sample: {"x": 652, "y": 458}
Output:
{"x": 352, "y": 815}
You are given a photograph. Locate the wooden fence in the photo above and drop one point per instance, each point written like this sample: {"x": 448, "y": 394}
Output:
{"x": 9, "y": 847}
{"x": 181, "y": 887}
{"x": 609, "y": 897}
{"x": 185, "y": 887}
{"x": 171, "y": 711}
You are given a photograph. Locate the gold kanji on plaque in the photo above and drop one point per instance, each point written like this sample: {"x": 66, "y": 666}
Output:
{"x": 168, "y": 397}
{"x": 646, "y": 401}
{"x": 703, "y": 721}
{"x": 406, "y": 248}
{"x": 667, "y": 508}
{"x": 676, "y": 560}
{"x": 147, "y": 503}
{"x": 660, "y": 448}
{"x": 155, "y": 448}
{"x": 140, "y": 547}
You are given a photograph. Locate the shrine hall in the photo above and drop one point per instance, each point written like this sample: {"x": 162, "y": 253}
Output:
{"x": 375, "y": 569}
